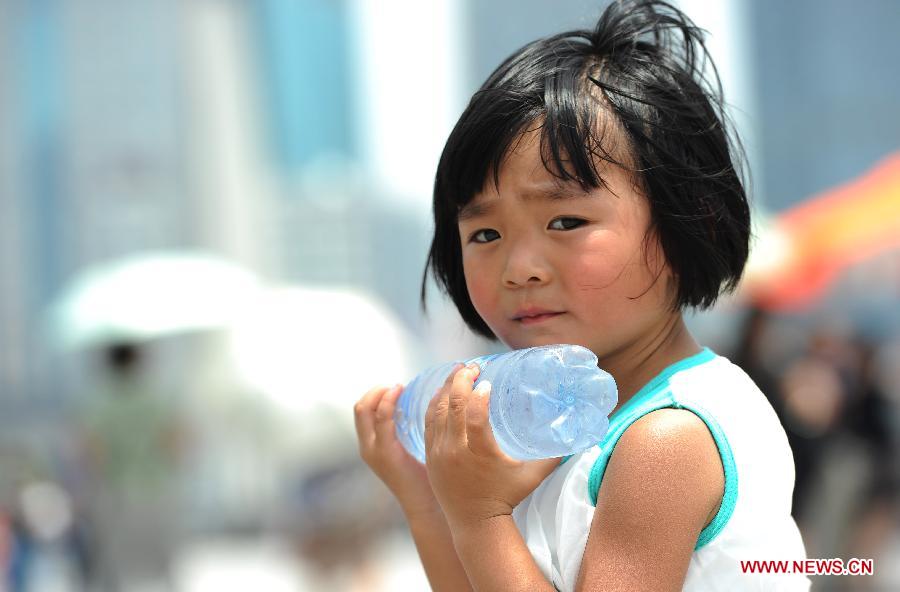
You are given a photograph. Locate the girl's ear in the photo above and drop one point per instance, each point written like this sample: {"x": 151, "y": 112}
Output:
{"x": 655, "y": 255}
{"x": 656, "y": 261}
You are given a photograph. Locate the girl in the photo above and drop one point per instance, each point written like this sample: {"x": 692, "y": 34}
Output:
{"x": 587, "y": 195}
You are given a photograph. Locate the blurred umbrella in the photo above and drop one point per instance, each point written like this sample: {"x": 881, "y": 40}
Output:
{"x": 148, "y": 296}
{"x": 801, "y": 253}
{"x": 313, "y": 353}
{"x": 304, "y": 346}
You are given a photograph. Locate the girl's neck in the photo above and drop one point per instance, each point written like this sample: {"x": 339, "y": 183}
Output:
{"x": 636, "y": 364}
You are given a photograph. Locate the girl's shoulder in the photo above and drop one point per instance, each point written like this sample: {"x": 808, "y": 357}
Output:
{"x": 663, "y": 484}
{"x": 665, "y": 455}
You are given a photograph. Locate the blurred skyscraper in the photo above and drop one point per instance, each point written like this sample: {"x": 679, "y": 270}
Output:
{"x": 91, "y": 157}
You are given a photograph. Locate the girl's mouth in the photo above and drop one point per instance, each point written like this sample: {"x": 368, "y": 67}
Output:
{"x": 540, "y": 318}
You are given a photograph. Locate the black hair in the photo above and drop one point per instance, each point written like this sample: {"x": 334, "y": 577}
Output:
{"x": 636, "y": 82}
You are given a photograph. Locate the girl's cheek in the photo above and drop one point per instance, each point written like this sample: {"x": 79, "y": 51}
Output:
{"x": 595, "y": 270}
{"x": 478, "y": 292}
{"x": 483, "y": 298}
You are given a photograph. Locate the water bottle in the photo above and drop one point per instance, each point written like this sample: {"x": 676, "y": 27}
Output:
{"x": 545, "y": 402}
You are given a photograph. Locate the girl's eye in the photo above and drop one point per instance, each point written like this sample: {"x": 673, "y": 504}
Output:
{"x": 566, "y": 223}
{"x": 485, "y": 235}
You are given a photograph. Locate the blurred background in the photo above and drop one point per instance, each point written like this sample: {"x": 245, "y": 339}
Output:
{"x": 214, "y": 217}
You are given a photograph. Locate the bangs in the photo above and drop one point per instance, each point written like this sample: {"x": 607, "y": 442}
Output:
{"x": 554, "y": 92}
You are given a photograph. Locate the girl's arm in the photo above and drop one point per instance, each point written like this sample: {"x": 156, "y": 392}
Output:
{"x": 437, "y": 553}
{"x": 408, "y": 481}
{"x": 663, "y": 484}
{"x": 478, "y": 486}
{"x": 496, "y": 557}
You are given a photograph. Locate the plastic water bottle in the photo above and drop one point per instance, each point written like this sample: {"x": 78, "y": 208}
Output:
{"x": 545, "y": 402}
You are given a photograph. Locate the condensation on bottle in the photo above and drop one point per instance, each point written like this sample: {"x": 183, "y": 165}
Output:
{"x": 545, "y": 402}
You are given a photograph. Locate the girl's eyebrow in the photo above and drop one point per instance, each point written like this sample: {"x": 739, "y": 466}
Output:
{"x": 475, "y": 209}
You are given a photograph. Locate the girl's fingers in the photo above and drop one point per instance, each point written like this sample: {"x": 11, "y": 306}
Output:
{"x": 429, "y": 424}
{"x": 384, "y": 414}
{"x": 448, "y": 382}
{"x": 458, "y": 401}
{"x": 436, "y": 415}
{"x": 364, "y": 414}
{"x": 479, "y": 435}
{"x": 435, "y": 419}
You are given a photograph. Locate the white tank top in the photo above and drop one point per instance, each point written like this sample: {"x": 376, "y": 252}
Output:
{"x": 754, "y": 520}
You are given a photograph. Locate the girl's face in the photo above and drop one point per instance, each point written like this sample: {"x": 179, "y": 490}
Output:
{"x": 536, "y": 246}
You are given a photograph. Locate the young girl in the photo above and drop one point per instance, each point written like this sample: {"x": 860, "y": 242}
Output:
{"x": 587, "y": 195}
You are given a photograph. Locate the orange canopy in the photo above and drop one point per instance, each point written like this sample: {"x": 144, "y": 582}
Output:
{"x": 831, "y": 232}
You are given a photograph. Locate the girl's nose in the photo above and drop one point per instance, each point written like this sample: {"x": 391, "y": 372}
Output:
{"x": 525, "y": 266}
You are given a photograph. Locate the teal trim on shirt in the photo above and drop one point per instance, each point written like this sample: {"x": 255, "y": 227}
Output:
{"x": 655, "y": 395}
{"x": 661, "y": 381}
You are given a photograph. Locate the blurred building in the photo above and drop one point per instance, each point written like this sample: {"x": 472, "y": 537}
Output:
{"x": 826, "y": 92}
{"x": 299, "y": 137}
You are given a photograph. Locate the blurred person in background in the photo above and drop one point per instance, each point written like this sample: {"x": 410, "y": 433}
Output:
{"x": 814, "y": 395}
{"x": 872, "y": 420}
{"x": 134, "y": 444}
{"x": 843, "y": 432}
{"x": 37, "y": 539}
{"x": 16, "y": 551}
{"x": 749, "y": 353}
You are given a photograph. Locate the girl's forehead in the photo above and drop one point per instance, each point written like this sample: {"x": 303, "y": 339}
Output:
{"x": 523, "y": 172}
{"x": 528, "y": 166}
{"x": 535, "y": 190}
{"x": 484, "y": 202}
{"x": 525, "y": 175}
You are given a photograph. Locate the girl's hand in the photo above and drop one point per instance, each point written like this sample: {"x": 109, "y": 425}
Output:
{"x": 472, "y": 478}
{"x": 379, "y": 448}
